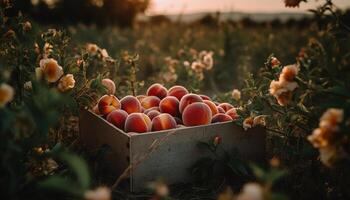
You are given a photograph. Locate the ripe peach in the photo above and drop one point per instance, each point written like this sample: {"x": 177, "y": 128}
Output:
{"x": 152, "y": 114}
{"x": 233, "y": 113}
{"x": 117, "y": 118}
{"x": 170, "y": 105}
{"x": 109, "y": 84}
{"x": 107, "y": 104}
{"x": 226, "y": 106}
{"x": 138, "y": 122}
{"x": 162, "y": 122}
{"x": 177, "y": 91}
{"x": 130, "y": 104}
{"x": 220, "y": 110}
{"x": 197, "y": 113}
{"x": 220, "y": 117}
{"x": 205, "y": 97}
{"x": 212, "y": 106}
{"x": 150, "y": 109}
{"x": 187, "y": 100}
{"x": 140, "y": 97}
{"x": 150, "y": 101}
{"x": 157, "y": 90}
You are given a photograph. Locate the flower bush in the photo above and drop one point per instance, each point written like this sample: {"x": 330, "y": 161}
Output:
{"x": 301, "y": 96}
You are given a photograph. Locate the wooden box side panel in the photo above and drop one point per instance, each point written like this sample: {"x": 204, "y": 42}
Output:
{"x": 96, "y": 132}
{"x": 170, "y": 154}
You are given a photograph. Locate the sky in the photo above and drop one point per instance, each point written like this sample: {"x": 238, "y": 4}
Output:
{"x": 193, "y": 6}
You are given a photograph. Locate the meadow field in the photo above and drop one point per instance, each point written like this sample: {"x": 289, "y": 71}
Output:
{"x": 290, "y": 77}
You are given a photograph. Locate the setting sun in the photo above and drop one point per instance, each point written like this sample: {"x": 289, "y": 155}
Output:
{"x": 193, "y": 6}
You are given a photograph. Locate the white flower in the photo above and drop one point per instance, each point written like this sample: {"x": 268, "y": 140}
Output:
{"x": 100, "y": 193}
{"x": 186, "y": 63}
{"x": 251, "y": 191}
{"x": 208, "y": 60}
{"x": 236, "y": 94}
{"x": 6, "y": 94}
{"x": 104, "y": 53}
{"x": 28, "y": 85}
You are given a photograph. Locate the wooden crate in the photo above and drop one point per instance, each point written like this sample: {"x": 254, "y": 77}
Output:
{"x": 165, "y": 154}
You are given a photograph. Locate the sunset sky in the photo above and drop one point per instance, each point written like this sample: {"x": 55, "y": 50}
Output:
{"x": 193, "y": 6}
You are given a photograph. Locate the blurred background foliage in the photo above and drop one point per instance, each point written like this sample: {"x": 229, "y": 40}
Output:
{"x": 41, "y": 155}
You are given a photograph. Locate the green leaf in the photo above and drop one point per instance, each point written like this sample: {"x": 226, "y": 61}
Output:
{"x": 79, "y": 168}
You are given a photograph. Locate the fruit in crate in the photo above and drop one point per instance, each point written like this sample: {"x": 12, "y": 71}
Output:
{"x": 138, "y": 123}
{"x": 197, "y": 113}
{"x": 177, "y": 91}
{"x": 163, "y": 121}
{"x": 107, "y": 104}
{"x": 117, "y": 118}
{"x": 130, "y": 104}
{"x": 162, "y": 109}
{"x": 187, "y": 100}
{"x": 170, "y": 105}
{"x": 150, "y": 101}
{"x": 220, "y": 117}
{"x": 157, "y": 90}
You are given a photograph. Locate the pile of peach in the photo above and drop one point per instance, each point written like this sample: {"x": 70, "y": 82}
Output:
{"x": 162, "y": 109}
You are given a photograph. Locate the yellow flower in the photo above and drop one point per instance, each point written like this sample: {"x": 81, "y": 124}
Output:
{"x": 67, "y": 82}
{"x": 50, "y": 69}
{"x": 6, "y": 94}
{"x": 100, "y": 193}
{"x": 236, "y": 94}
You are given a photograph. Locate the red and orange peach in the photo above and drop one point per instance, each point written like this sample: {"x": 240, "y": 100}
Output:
{"x": 138, "y": 122}
{"x": 153, "y": 113}
{"x": 205, "y": 97}
{"x": 212, "y": 106}
{"x": 108, "y": 103}
{"x": 177, "y": 91}
{"x": 220, "y": 117}
{"x": 157, "y": 90}
{"x": 117, "y": 118}
{"x": 226, "y": 106}
{"x": 187, "y": 100}
{"x": 130, "y": 104}
{"x": 170, "y": 105}
{"x": 197, "y": 113}
{"x": 150, "y": 101}
{"x": 233, "y": 113}
{"x": 163, "y": 121}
